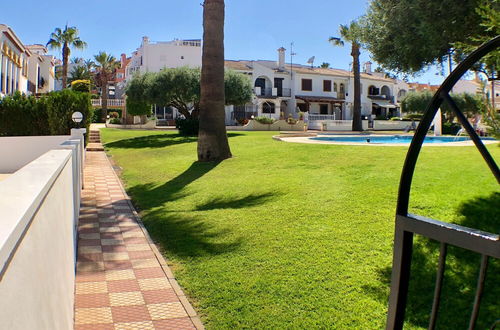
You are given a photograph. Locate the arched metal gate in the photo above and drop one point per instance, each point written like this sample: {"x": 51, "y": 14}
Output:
{"x": 484, "y": 243}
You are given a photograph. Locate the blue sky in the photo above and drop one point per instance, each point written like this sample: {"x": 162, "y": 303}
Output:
{"x": 255, "y": 29}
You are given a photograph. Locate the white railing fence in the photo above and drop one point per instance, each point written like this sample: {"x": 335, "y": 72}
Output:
{"x": 111, "y": 102}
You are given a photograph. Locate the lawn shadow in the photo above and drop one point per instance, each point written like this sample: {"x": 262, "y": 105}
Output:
{"x": 462, "y": 269}
{"x": 235, "y": 203}
{"x": 182, "y": 232}
{"x": 148, "y": 196}
{"x": 155, "y": 141}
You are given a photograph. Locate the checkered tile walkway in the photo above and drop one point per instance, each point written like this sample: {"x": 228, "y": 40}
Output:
{"x": 122, "y": 282}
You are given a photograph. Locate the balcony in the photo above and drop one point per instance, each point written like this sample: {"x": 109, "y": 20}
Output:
{"x": 272, "y": 92}
{"x": 382, "y": 97}
{"x": 112, "y": 103}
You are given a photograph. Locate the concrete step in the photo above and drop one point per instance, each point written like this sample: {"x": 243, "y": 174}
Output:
{"x": 95, "y": 147}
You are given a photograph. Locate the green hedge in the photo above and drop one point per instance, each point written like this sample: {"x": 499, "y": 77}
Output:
{"x": 22, "y": 115}
{"x": 97, "y": 115}
{"x": 187, "y": 127}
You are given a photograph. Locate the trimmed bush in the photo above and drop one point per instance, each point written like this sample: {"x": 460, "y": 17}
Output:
{"x": 450, "y": 128}
{"x": 264, "y": 120}
{"x": 23, "y": 115}
{"x": 49, "y": 115}
{"x": 81, "y": 86}
{"x": 187, "y": 127}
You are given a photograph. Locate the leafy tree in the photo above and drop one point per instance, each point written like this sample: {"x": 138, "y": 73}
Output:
{"x": 238, "y": 88}
{"x": 325, "y": 65}
{"x": 79, "y": 73}
{"x": 180, "y": 88}
{"x": 489, "y": 13}
{"x": 65, "y": 39}
{"x": 106, "y": 66}
{"x": 470, "y": 104}
{"x": 352, "y": 33}
{"x": 408, "y": 35}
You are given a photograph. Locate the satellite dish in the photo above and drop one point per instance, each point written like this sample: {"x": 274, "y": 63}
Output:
{"x": 311, "y": 61}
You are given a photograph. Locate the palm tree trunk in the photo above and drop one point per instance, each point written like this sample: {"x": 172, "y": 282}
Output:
{"x": 104, "y": 98}
{"x": 357, "y": 124}
{"x": 212, "y": 137}
{"x": 65, "y": 66}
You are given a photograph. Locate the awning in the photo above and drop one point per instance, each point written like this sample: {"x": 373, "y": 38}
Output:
{"x": 385, "y": 105}
{"x": 319, "y": 99}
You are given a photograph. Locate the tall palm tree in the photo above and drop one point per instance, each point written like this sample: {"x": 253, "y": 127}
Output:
{"x": 212, "y": 137}
{"x": 106, "y": 66}
{"x": 352, "y": 33}
{"x": 65, "y": 39}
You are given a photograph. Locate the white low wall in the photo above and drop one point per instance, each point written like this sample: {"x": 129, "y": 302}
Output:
{"x": 279, "y": 125}
{"x": 17, "y": 151}
{"x": 149, "y": 125}
{"x": 37, "y": 244}
{"x": 346, "y": 125}
{"x": 387, "y": 125}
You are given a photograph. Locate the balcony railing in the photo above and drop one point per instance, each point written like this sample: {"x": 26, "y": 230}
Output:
{"x": 112, "y": 103}
{"x": 273, "y": 92}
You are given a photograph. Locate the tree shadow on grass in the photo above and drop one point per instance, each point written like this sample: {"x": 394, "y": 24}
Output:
{"x": 155, "y": 141}
{"x": 460, "y": 280}
{"x": 235, "y": 203}
{"x": 184, "y": 233}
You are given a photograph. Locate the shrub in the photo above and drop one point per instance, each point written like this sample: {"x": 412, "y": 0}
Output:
{"x": 115, "y": 121}
{"x": 243, "y": 121}
{"x": 23, "y": 115}
{"x": 81, "y": 86}
{"x": 49, "y": 115}
{"x": 412, "y": 116}
{"x": 114, "y": 114}
{"x": 60, "y": 107}
{"x": 380, "y": 117}
{"x": 450, "y": 128}
{"x": 264, "y": 120}
{"x": 187, "y": 127}
{"x": 291, "y": 121}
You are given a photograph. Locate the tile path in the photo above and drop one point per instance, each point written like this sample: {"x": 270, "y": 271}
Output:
{"x": 122, "y": 282}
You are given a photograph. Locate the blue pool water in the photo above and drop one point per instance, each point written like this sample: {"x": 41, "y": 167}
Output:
{"x": 392, "y": 139}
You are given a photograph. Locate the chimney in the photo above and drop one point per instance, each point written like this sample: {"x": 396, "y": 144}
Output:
{"x": 281, "y": 59}
{"x": 123, "y": 60}
{"x": 145, "y": 40}
{"x": 368, "y": 67}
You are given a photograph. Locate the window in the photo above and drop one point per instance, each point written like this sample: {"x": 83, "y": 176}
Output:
{"x": 342, "y": 89}
{"x": 327, "y": 85}
{"x": 307, "y": 85}
{"x": 335, "y": 87}
{"x": 323, "y": 109}
{"x": 372, "y": 90}
{"x": 268, "y": 107}
{"x": 303, "y": 107}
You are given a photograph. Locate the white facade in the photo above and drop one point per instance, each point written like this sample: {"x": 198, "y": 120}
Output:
{"x": 13, "y": 63}
{"x": 153, "y": 57}
{"x": 27, "y": 69}
{"x": 41, "y": 75}
{"x": 281, "y": 90}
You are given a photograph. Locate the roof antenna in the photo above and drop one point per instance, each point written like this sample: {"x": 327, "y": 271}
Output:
{"x": 311, "y": 61}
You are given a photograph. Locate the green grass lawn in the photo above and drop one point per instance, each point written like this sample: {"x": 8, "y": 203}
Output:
{"x": 287, "y": 235}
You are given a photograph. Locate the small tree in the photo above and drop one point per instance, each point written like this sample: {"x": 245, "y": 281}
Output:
{"x": 81, "y": 86}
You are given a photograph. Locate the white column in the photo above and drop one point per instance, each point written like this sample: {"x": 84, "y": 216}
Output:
{"x": 437, "y": 123}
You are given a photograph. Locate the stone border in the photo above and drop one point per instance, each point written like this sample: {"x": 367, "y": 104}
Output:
{"x": 159, "y": 256}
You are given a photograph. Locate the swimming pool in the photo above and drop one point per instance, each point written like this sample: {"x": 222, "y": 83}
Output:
{"x": 392, "y": 139}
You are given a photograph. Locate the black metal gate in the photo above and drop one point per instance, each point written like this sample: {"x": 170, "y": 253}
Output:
{"x": 484, "y": 243}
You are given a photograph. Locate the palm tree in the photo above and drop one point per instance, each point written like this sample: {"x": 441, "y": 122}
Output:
{"x": 212, "y": 137}
{"x": 352, "y": 34}
{"x": 325, "y": 65}
{"x": 65, "y": 39}
{"x": 106, "y": 66}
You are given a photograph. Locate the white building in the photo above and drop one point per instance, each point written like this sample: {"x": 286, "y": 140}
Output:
{"x": 41, "y": 75}
{"x": 281, "y": 90}
{"x": 154, "y": 56}
{"x": 13, "y": 63}
{"x": 27, "y": 69}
